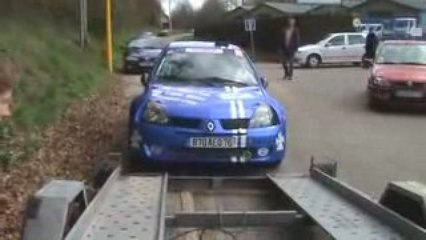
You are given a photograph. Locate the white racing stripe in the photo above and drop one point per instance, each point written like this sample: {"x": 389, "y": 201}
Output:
{"x": 241, "y": 110}
{"x": 243, "y": 141}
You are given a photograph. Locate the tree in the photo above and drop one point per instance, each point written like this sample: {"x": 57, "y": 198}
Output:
{"x": 211, "y": 12}
{"x": 183, "y": 15}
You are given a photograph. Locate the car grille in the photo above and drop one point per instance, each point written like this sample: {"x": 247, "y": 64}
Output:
{"x": 234, "y": 123}
{"x": 219, "y": 153}
{"x": 412, "y": 85}
{"x": 185, "y": 122}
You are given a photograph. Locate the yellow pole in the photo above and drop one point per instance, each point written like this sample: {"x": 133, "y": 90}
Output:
{"x": 109, "y": 35}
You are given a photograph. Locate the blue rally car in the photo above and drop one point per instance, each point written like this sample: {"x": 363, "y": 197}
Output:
{"x": 205, "y": 102}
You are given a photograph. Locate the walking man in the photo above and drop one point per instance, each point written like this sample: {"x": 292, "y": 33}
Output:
{"x": 289, "y": 45}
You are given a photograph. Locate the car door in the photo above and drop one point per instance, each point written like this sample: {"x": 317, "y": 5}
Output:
{"x": 356, "y": 47}
{"x": 334, "y": 49}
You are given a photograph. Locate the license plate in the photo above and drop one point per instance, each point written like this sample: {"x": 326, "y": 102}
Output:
{"x": 213, "y": 142}
{"x": 409, "y": 94}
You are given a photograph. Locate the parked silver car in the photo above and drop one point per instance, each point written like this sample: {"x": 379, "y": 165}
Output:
{"x": 334, "y": 48}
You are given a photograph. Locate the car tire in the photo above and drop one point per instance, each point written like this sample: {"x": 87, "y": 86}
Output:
{"x": 375, "y": 105}
{"x": 313, "y": 61}
{"x": 273, "y": 165}
{"x": 131, "y": 161}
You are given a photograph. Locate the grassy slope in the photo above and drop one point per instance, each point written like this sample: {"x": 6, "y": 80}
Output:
{"x": 53, "y": 70}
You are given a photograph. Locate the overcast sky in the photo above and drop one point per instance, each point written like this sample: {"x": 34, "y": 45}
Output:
{"x": 195, "y": 3}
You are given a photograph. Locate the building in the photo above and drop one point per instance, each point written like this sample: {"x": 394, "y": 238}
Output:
{"x": 362, "y": 8}
{"x": 277, "y": 9}
{"x": 238, "y": 13}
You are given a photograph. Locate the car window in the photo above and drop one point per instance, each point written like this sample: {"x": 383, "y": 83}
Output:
{"x": 356, "y": 39}
{"x": 215, "y": 67}
{"x": 337, "y": 40}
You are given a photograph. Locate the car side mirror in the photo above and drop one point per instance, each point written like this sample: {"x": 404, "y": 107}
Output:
{"x": 327, "y": 45}
{"x": 264, "y": 82}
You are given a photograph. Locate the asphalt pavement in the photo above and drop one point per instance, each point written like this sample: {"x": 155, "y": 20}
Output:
{"x": 328, "y": 117}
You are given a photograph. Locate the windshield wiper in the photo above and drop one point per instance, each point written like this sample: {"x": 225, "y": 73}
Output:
{"x": 403, "y": 63}
{"x": 222, "y": 81}
{"x": 390, "y": 63}
{"x": 413, "y": 63}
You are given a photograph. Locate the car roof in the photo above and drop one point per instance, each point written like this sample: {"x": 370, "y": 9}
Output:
{"x": 405, "y": 42}
{"x": 202, "y": 44}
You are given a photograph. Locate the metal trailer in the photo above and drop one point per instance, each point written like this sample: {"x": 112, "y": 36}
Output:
{"x": 144, "y": 206}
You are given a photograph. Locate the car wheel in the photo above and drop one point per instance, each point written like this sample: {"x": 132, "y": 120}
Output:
{"x": 273, "y": 165}
{"x": 313, "y": 61}
{"x": 131, "y": 161}
{"x": 375, "y": 104}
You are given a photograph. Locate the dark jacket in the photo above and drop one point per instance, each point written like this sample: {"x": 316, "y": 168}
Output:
{"x": 294, "y": 42}
{"x": 371, "y": 44}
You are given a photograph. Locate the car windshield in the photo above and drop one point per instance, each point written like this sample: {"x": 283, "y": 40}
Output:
{"x": 212, "y": 67}
{"x": 402, "y": 54}
{"x": 325, "y": 38}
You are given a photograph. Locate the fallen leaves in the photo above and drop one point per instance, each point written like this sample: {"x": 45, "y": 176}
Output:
{"x": 69, "y": 150}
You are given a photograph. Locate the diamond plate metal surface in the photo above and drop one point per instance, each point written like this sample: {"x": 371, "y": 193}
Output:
{"x": 131, "y": 210}
{"x": 337, "y": 216}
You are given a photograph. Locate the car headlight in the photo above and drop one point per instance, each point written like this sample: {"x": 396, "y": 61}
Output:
{"x": 155, "y": 113}
{"x": 263, "y": 117}
{"x": 379, "y": 81}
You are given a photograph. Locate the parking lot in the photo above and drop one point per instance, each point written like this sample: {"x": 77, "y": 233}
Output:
{"x": 329, "y": 118}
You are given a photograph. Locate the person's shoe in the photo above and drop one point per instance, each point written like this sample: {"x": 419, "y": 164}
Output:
{"x": 290, "y": 78}
{"x": 285, "y": 77}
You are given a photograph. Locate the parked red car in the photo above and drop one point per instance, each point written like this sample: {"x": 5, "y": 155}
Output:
{"x": 398, "y": 74}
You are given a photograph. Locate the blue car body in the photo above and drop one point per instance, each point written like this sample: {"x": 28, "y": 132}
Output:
{"x": 197, "y": 115}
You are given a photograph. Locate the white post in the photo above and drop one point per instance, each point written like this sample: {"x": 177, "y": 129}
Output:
{"x": 170, "y": 16}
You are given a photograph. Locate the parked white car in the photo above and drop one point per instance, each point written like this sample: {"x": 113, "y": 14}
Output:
{"x": 334, "y": 48}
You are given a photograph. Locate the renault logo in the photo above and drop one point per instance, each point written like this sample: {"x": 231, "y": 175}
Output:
{"x": 210, "y": 126}
{"x": 410, "y": 84}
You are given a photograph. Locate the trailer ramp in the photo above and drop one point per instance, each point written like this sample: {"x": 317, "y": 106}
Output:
{"x": 343, "y": 212}
{"x": 134, "y": 207}
{"x": 128, "y": 207}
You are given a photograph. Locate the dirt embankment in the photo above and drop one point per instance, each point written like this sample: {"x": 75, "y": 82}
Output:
{"x": 90, "y": 129}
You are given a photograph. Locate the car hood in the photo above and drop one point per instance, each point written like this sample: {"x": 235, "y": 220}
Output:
{"x": 308, "y": 47}
{"x": 208, "y": 102}
{"x": 400, "y": 72}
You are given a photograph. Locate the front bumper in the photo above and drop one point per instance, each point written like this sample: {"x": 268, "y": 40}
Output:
{"x": 155, "y": 143}
{"x": 390, "y": 95}
{"x": 138, "y": 66}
